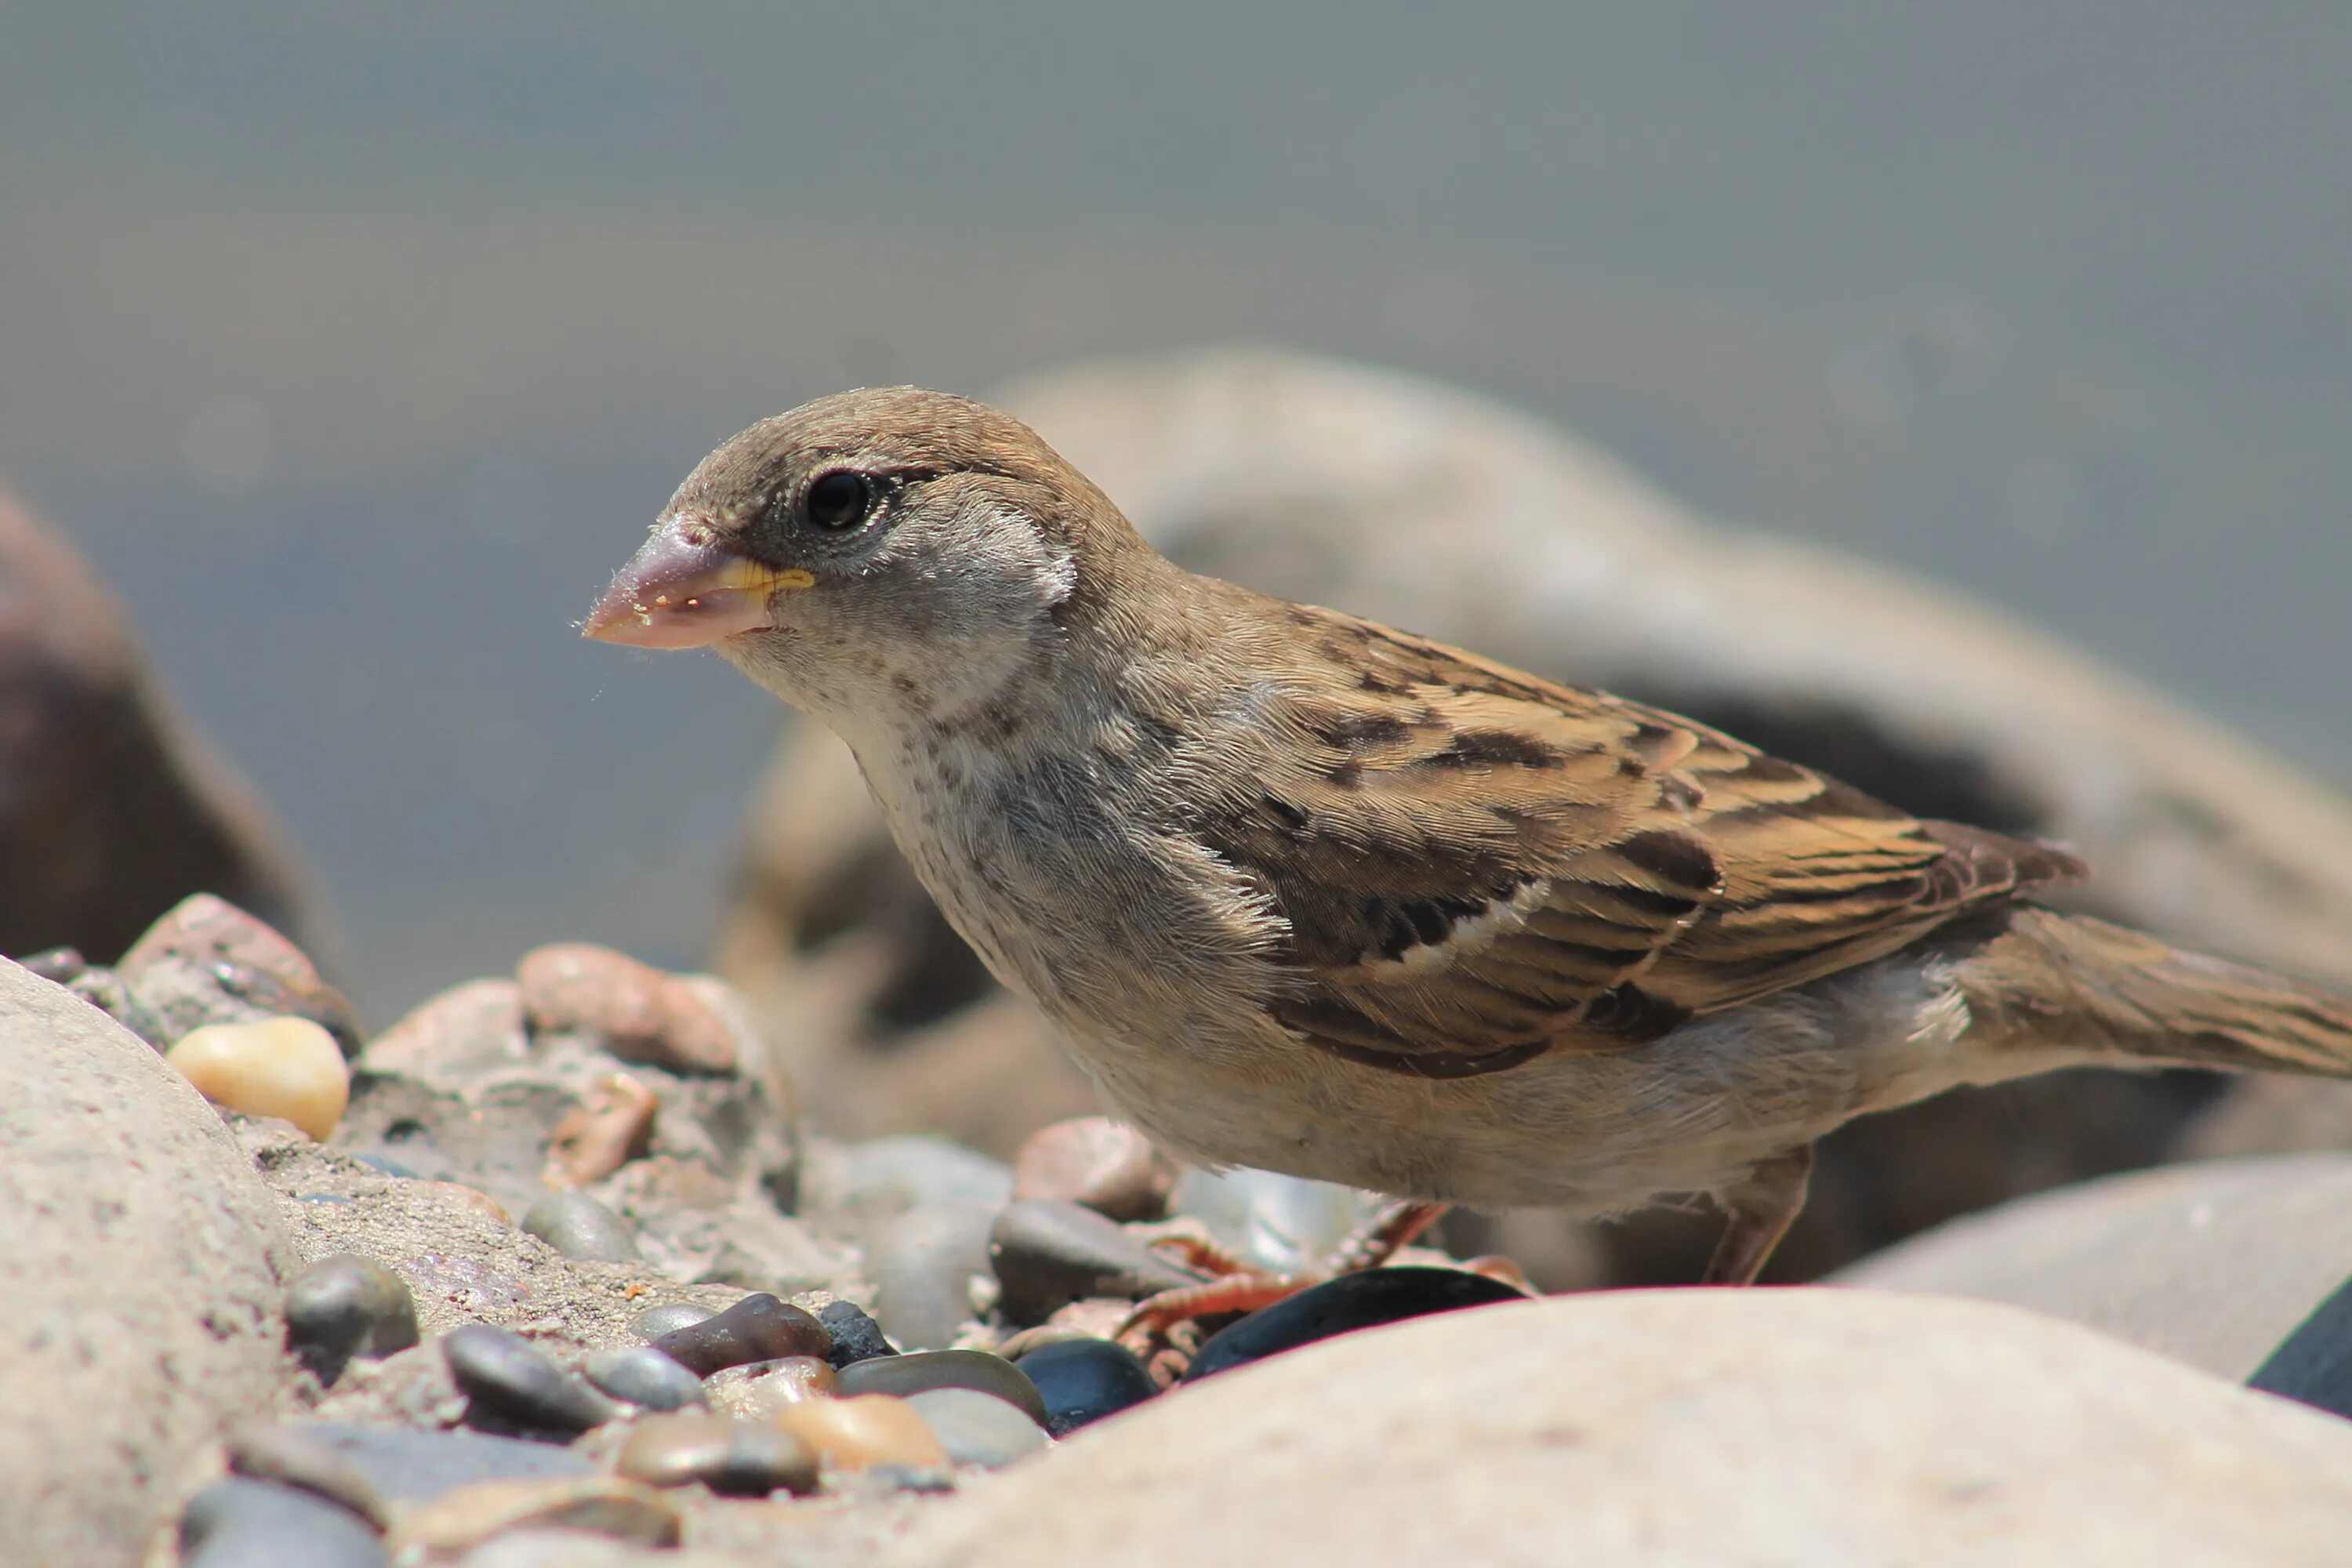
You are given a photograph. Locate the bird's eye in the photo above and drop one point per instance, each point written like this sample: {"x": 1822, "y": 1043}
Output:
{"x": 839, "y": 500}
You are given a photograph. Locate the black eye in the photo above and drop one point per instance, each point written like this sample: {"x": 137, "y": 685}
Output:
{"x": 839, "y": 500}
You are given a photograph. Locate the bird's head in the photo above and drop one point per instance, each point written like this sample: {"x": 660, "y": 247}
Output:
{"x": 873, "y": 549}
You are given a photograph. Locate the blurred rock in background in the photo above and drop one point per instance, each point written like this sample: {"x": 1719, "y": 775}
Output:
{"x": 1446, "y": 514}
{"x": 112, "y": 809}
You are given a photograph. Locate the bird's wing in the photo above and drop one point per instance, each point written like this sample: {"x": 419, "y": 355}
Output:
{"x": 1476, "y": 866}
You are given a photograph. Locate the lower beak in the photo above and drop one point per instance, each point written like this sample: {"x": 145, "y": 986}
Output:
{"x": 683, "y": 589}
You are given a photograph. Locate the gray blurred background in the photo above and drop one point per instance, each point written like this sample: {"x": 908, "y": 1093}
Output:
{"x": 357, "y": 342}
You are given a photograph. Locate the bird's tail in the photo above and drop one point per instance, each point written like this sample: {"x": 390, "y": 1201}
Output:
{"x": 2069, "y": 982}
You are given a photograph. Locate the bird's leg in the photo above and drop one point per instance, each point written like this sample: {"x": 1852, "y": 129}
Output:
{"x": 1760, "y": 1210}
{"x": 1242, "y": 1287}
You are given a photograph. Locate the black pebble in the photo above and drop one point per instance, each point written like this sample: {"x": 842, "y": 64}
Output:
{"x": 577, "y": 1225}
{"x": 514, "y": 1386}
{"x": 757, "y": 1328}
{"x": 644, "y": 1376}
{"x": 345, "y": 1306}
{"x": 1359, "y": 1301}
{"x": 855, "y": 1337}
{"x": 2312, "y": 1365}
{"x": 1083, "y": 1381}
{"x": 240, "y": 1523}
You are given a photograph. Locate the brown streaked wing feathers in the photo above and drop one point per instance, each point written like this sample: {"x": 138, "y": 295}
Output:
{"x": 1477, "y": 866}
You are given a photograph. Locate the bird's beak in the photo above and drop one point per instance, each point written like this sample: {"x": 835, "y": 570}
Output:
{"x": 686, "y": 588}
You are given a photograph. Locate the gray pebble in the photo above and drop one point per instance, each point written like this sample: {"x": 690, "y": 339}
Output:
{"x": 512, "y": 1385}
{"x": 292, "y": 1454}
{"x": 1282, "y": 1224}
{"x": 918, "y": 1370}
{"x": 977, "y": 1428}
{"x": 345, "y": 1306}
{"x": 922, "y": 1265}
{"x": 644, "y": 1376}
{"x": 855, "y": 1336}
{"x": 241, "y": 1523}
{"x": 882, "y": 1178}
{"x": 1048, "y": 1253}
{"x": 405, "y": 1467}
{"x": 577, "y": 1225}
{"x": 670, "y": 1316}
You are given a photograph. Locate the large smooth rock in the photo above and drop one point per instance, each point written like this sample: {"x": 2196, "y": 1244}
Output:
{"x": 140, "y": 1265}
{"x": 111, "y": 808}
{"x": 1698, "y": 1429}
{"x": 2213, "y": 1263}
{"x": 1440, "y": 511}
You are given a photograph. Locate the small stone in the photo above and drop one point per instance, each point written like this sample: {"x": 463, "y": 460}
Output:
{"x": 855, "y": 1337}
{"x": 1363, "y": 1299}
{"x": 292, "y": 1456}
{"x": 758, "y": 1390}
{"x": 882, "y": 1178}
{"x": 384, "y": 1166}
{"x": 1048, "y": 1253}
{"x": 577, "y": 1225}
{"x": 757, "y": 1328}
{"x": 860, "y": 1432}
{"x": 1107, "y": 1166}
{"x": 474, "y": 1198}
{"x": 59, "y": 966}
{"x": 1082, "y": 1381}
{"x": 347, "y": 1306}
{"x": 654, "y": 1321}
{"x": 286, "y": 1068}
{"x": 644, "y": 1376}
{"x": 923, "y": 1266}
{"x": 1282, "y": 1224}
{"x": 630, "y": 1009}
{"x": 513, "y": 1383}
{"x": 241, "y": 1524}
{"x": 603, "y": 1505}
{"x": 467, "y": 1030}
{"x": 2312, "y": 1365}
{"x": 977, "y": 1428}
{"x": 733, "y": 1459}
{"x": 907, "y": 1375}
{"x": 610, "y": 1127}
{"x": 208, "y": 961}
{"x": 403, "y": 1466}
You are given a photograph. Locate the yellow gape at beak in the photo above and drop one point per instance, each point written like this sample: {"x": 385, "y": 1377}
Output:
{"x": 681, "y": 589}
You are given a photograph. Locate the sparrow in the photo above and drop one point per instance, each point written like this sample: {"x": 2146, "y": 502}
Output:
{"x": 1312, "y": 894}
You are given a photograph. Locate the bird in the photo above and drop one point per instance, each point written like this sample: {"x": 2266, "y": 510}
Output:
{"x": 1312, "y": 894}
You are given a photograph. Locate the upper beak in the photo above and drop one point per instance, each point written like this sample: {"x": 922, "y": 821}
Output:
{"x": 684, "y": 588}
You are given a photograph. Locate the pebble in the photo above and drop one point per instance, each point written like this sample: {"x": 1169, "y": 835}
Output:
{"x": 609, "y": 1127}
{"x": 2312, "y": 1365}
{"x": 1082, "y": 1381}
{"x": 286, "y": 1068}
{"x": 208, "y": 961}
{"x": 761, "y": 1388}
{"x": 513, "y": 1382}
{"x": 855, "y": 1337}
{"x": 1107, "y": 1166}
{"x": 241, "y": 1524}
{"x": 603, "y": 1505}
{"x": 58, "y": 966}
{"x": 757, "y": 1328}
{"x": 923, "y": 1265}
{"x": 577, "y": 1225}
{"x": 1048, "y": 1253}
{"x": 402, "y": 1466}
{"x": 860, "y": 1432}
{"x": 344, "y": 1306}
{"x": 654, "y": 1321}
{"x": 629, "y": 1008}
{"x": 1363, "y": 1299}
{"x": 978, "y": 1428}
{"x": 732, "y": 1457}
{"x": 882, "y": 1178}
{"x": 917, "y": 1371}
{"x": 1282, "y": 1224}
{"x": 292, "y": 1454}
{"x": 644, "y": 1376}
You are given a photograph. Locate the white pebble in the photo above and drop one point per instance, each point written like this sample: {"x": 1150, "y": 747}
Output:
{"x": 287, "y": 1067}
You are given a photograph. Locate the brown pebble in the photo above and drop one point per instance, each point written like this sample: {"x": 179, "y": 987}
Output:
{"x": 1107, "y": 1166}
{"x": 758, "y": 1391}
{"x": 629, "y": 1008}
{"x": 246, "y": 958}
{"x": 757, "y": 1328}
{"x": 733, "y": 1457}
{"x": 605, "y": 1131}
{"x": 606, "y": 1505}
{"x": 859, "y": 1433}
